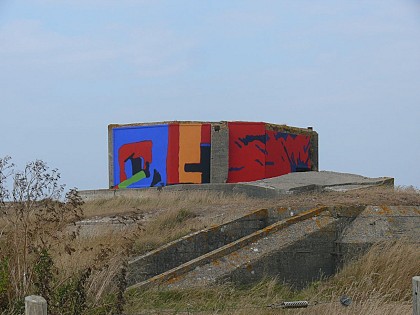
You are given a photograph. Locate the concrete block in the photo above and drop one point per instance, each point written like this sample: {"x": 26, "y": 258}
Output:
{"x": 219, "y": 157}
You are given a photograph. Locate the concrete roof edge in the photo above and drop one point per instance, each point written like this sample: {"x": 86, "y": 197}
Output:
{"x": 279, "y": 127}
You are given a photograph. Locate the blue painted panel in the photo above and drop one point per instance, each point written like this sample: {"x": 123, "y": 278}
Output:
{"x": 158, "y": 135}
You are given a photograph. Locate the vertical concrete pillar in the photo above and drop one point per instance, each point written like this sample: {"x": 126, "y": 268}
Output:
{"x": 416, "y": 295}
{"x": 110, "y": 156}
{"x": 35, "y": 305}
{"x": 314, "y": 151}
{"x": 219, "y": 157}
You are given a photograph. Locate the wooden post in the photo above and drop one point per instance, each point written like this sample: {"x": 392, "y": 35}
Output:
{"x": 416, "y": 295}
{"x": 35, "y": 305}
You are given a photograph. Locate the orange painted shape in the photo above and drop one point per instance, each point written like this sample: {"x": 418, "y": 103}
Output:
{"x": 189, "y": 151}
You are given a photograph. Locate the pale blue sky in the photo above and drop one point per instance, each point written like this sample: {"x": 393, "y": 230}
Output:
{"x": 350, "y": 69}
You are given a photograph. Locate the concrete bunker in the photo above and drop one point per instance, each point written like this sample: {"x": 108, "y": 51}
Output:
{"x": 167, "y": 153}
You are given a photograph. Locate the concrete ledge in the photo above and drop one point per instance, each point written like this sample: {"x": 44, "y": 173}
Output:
{"x": 319, "y": 181}
{"x": 267, "y": 188}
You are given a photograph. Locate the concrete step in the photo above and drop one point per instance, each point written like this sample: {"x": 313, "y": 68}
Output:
{"x": 194, "y": 245}
{"x": 297, "y": 254}
{"x": 219, "y": 259}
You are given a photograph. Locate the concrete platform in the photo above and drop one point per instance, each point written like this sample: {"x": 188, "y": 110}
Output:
{"x": 270, "y": 187}
{"x": 323, "y": 180}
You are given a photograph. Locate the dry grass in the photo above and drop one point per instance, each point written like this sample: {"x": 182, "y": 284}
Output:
{"x": 107, "y": 251}
{"x": 167, "y": 226}
{"x": 205, "y": 208}
{"x": 156, "y": 201}
{"x": 208, "y": 203}
{"x": 386, "y": 271}
{"x": 168, "y": 216}
{"x": 378, "y": 283}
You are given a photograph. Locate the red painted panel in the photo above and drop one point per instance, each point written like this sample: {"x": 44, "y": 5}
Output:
{"x": 206, "y": 133}
{"x": 246, "y": 151}
{"x": 172, "y": 159}
{"x": 276, "y": 161}
{"x": 286, "y": 153}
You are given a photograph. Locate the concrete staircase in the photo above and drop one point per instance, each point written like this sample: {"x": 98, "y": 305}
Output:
{"x": 298, "y": 249}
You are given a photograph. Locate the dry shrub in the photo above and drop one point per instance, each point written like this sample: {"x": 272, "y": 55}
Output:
{"x": 105, "y": 255}
{"x": 41, "y": 255}
{"x": 35, "y": 213}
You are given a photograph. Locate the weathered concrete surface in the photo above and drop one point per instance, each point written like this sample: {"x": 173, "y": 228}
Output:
{"x": 175, "y": 274}
{"x": 296, "y": 249}
{"x": 99, "y": 226}
{"x": 194, "y": 245}
{"x": 379, "y": 223}
{"x": 299, "y": 252}
{"x": 266, "y": 188}
{"x": 219, "y": 153}
{"x": 324, "y": 180}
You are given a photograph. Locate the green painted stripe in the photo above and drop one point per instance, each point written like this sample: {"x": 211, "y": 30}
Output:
{"x": 135, "y": 178}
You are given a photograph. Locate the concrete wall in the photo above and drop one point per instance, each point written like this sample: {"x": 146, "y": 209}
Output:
{"x": 296, "y": 250}
{"x": 258, "y": 150}
{"x": 298, "y": 264}
{"x": 160, "y": 154}
{"x": 354, "y": 230}
{"x": 376, "y": 224}
{"x": 192, "y": 246}
{"x": 219, "y": 162}
{"x": 303, "y": 261}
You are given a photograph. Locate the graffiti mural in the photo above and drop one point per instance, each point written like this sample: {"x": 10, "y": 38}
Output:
{"x": 189, "y": 153}
{"x": 286, "y": 153}
{"x": 197, "y": 165}
{"x": 140, "y": 156}
{"x": 246, "y": 151}
{"x": 257, "y": 153}
{"x": 158, "y": 155}
{"x": 180, "y": 153}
